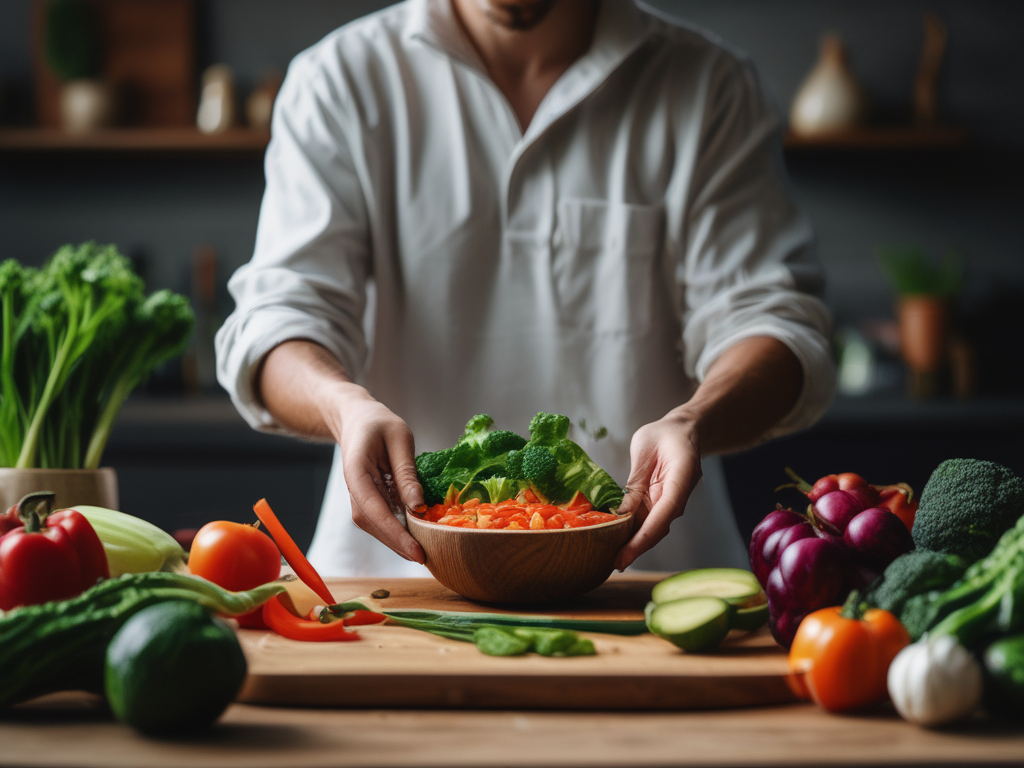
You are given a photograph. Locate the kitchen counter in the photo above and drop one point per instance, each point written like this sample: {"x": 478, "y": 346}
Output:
{"x": 75, "y": 730}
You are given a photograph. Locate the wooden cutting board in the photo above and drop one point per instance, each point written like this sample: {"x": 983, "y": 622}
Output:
{"x": 398, "y": 667}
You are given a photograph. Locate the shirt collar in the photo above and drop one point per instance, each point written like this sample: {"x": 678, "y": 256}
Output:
{"x": 621, "y": 28}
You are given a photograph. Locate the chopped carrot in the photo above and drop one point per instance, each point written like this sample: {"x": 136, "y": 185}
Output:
{"x": 537, "y": 521}
{"x": 555, "y": 521}
{"x": 470, "y": 503}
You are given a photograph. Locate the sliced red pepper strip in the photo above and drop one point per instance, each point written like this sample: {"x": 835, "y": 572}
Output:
{"x": 284, "y": 621}
{"x": 292, "y": 554}
{"x": 359, "y": 618}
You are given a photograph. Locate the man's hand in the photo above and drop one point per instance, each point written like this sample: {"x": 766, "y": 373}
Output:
{"x": 748, "y": 390}
{"x": 377, "y": 457}
{"x": 309, "y": 392}
{"x": 665, "y": 460}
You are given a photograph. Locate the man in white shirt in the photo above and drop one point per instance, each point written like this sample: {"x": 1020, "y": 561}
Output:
{"x": 561, "y": 205}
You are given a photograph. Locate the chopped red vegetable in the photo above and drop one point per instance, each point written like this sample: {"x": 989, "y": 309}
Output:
{"x": 292, "y": 554}
{"x": 280, "y": 615}
{"x": 517, "y": 515}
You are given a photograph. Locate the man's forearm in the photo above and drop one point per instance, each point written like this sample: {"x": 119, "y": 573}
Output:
{"x": 302, "y": 384}
{"x": 748, "y": 390}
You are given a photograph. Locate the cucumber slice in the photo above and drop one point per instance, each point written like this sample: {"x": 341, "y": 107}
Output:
{"x": 692, "y": 623}
{"x": 749, "y": 619}
{"x": 648, "y": 610}
{"x": 734, "y": 585}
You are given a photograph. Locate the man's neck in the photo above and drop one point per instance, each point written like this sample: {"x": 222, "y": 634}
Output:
{"x": 525, "y": 64}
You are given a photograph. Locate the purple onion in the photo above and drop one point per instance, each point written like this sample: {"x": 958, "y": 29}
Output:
{"x": 784, "y": 624}
{"x": 815, "y": 573}
{"x": 835, "y": 511}
{"x": 865, "y": 495}
{"x": 876, "y": 537}
{"x": 780, "y": 519}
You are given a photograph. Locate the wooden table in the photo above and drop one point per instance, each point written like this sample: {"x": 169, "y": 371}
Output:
{"x": 77, "y": 730}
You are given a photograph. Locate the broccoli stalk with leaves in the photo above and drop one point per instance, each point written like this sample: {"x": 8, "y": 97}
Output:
{"x": 77, "y": 335}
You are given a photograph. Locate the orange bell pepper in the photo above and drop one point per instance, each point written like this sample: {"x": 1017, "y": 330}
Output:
{"x": 899, "y": 499}
{"x": 840, "y": 657}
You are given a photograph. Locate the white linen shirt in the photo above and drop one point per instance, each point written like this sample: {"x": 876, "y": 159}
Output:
{"x": 595, "y": 264}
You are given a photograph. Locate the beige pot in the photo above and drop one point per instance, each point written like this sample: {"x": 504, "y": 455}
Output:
{"x": 92, "y": 487}
{"x": 86, "y": 105}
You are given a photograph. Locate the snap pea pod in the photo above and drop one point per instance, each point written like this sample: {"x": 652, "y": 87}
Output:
{"x": 60, "y": 646}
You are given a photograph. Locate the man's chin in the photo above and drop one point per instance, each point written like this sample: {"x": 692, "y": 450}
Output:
{"x": 521, "y": 16}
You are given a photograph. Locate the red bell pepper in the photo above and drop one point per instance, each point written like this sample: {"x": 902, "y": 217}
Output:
{"x": 52, "y": 557}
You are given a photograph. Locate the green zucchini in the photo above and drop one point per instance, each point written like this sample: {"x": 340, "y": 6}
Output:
{"x": 749, "y": 619}
{"x": 61, "y": 646}
{"x": 734, "y": 585}
{"x": 692, "y": 623}
{"x": 173, "y": 668}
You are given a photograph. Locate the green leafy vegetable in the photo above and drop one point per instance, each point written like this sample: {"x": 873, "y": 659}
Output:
{"x": 78, "y": 335}
{"x": 549, "y": 463}
{"x": 911, "y": 574}
{"x": 989, "y": 597}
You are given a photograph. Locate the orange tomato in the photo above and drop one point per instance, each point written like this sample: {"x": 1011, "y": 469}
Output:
{"x": 841, "y": 661}
{"x": 236, "y": 557}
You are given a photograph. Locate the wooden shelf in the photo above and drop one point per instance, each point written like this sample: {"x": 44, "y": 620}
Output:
{"x": 882, "y": 139}
{"x": 169, "y": 140}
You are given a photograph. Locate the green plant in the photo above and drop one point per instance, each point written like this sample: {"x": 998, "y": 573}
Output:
{"x": 73, "y": 47}
{"x": 913, "y": 273}
{"x": 77, "y": 336}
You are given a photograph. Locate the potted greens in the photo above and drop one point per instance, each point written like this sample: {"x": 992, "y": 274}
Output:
{"x": 76, "y": 336}
{"x": 74, "y": 53}
{"x": 925, "y": 289}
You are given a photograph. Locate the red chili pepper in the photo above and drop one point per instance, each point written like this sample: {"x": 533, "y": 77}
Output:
{"x": 285, "y": 621}
{"x": 51, "y": 557}
{"x": 292, "y": 554}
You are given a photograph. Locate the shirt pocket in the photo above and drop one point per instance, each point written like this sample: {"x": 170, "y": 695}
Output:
{"x": 605, "y": 264}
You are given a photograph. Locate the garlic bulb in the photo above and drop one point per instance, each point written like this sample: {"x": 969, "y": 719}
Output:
{"x": 935, "y": 682}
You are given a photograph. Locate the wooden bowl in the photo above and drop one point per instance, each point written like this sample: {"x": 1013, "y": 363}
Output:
{"x": 518, "y": 567}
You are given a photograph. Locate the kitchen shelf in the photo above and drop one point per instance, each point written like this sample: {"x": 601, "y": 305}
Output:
{"x": 241, "y": 141}
{"x": 884, "y": 139}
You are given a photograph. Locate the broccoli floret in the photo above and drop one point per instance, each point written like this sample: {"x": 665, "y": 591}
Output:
{"x": 434, "y": 489}
{"x": 499, "y": 489}
{"x": 576, "y": 471}
{"x": 431, "y": 464}
{"x": 502, "y": 441}
{"x": 966, "y": 506}
{"x": 477, "y": 430}
{"x": 540, "y": 469}
{"x": 514, "y": 465}
{"x": 914, "y": 573}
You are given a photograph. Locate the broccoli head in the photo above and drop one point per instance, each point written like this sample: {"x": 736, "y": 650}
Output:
{"x": 914, "y": 573}
{"x": 966, "y": 506}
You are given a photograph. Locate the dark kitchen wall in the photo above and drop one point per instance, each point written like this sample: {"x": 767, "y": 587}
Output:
{"x": 161, "y": 209}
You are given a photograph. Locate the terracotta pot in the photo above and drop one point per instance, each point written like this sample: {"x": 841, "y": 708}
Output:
{"x": 93, "y": 487}
{"x": 924, "y": 327}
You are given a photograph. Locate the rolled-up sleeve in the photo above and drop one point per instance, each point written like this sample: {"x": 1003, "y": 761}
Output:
{"x": 748, "y": 267}
{"x": 307, "y": 277}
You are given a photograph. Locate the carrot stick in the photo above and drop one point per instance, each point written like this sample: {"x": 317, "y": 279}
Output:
{"x": 291, "y": 552}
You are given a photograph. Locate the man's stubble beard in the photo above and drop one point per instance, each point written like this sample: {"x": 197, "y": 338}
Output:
{"x": 521, "y": 16}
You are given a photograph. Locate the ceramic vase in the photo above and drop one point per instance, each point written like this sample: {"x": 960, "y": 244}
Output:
{"x": 86, "y": 105}
{"x": 830, "y": 99}
{"x": 92, "y": 487}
